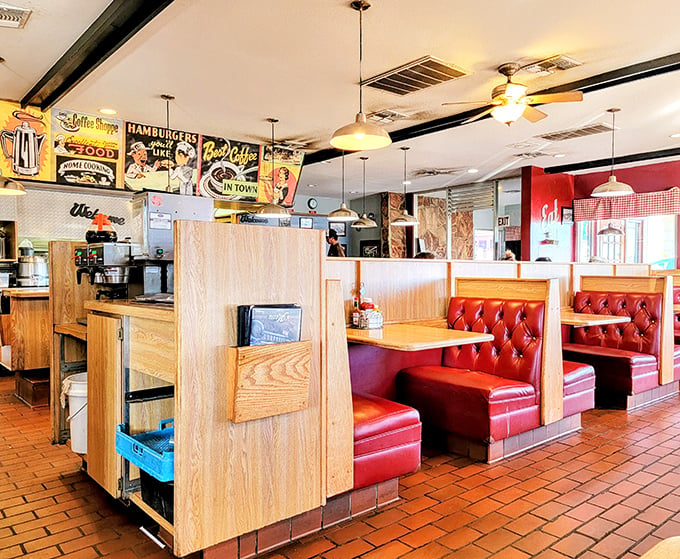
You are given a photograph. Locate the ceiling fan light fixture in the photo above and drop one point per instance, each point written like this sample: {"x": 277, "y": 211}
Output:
{"x": 360, "y": 135}
{"x": 9, "y": 187}
{"x": 515, "y": 91}
{"x": 509, "y": 112}
{"x": 612, "y": 187}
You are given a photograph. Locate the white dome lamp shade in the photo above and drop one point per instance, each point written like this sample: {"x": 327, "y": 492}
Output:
{"x": 612, "y": 187}
{"x": 405, "y": 219}
{"x": 343, "y": 213}
{"x": 360, "y": 135}
{"x": 272, "y": 210}
{"x": 364, "y": 222}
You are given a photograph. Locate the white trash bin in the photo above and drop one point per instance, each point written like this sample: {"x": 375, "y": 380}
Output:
{"x": 75, "y": 387}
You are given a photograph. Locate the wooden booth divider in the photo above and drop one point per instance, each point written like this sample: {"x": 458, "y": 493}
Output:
{"x": 648, "y": 284}
{"x": 546, "y": 290}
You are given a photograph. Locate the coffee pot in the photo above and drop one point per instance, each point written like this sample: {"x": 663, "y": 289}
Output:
{"x": 26, "y": 146}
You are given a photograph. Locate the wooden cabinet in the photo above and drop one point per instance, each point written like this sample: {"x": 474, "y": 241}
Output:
{"x": 104, "y": 359}
{"x": 26, "y": 335}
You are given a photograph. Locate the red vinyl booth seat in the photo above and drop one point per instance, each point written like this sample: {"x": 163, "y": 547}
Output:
{"x": 486, "y": 391}
{"x": 386, "y": 439}
{"x": 625, "y": 356}
{"x": 676, "y": 317}
{"x": 579, "y": 388}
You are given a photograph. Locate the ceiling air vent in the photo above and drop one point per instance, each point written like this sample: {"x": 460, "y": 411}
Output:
{"x": 386, "y": 116}
{"x": 589, "y": 130}
{"x": 552, "y": 64}
{"x": 415, "y": 76}
{"x": 13, "y": 17}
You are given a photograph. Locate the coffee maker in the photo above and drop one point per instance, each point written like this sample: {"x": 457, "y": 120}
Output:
{"x": 143, "y": 267}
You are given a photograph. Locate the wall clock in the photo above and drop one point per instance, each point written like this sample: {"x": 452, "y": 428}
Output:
{"x": 312, "y": 203}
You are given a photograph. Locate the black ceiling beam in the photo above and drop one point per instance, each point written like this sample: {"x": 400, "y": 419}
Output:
{"x": 607, "y": 162}
{"x": 112, "y": 29}
{"x": 639, "y": 71}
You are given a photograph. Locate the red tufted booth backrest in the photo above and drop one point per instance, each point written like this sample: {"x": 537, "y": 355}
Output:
{"x": 676, "y": 317}
{"x": 517, "y": 327}
{"x": 642, "y": 334}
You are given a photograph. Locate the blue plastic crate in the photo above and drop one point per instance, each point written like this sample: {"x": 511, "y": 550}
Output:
{"x": 153, "y": 451}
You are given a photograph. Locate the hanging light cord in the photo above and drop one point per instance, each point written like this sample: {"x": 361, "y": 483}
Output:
{"x": 167, "y": 127}
{"x": 364, "y": 202}
{"x": 343, "y": 176}
{"x": 613, "y": 134}
{"x": 361, "y": 55}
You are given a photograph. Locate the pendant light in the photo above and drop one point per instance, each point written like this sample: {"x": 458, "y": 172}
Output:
{"x": 405, "y": 219}
{"x": 360, "y": 135}
{"x": 9, "y": 187}
{"x": 167, "y": 98}
{"x": 610, "y": 230}
{"x": 612, "y": 187}
{"x": 343, "y": 213}
{"x": 271, "y": 210}
{"x": 364, "y": 222}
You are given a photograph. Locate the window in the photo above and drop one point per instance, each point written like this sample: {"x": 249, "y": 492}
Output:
{"x": 649, "y": 240}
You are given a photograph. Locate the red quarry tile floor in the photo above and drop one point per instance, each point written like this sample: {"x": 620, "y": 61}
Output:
{"x": 610, "y": 491}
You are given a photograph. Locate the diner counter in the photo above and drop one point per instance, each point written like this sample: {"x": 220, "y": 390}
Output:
{"x": 131, "y": 308}
{"x": 26, "y": 292}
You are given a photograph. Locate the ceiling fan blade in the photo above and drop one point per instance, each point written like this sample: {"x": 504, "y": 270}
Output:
{"x": 467, "y": 103}
{"x": 480, "y": 115}
{"x": 533, "y": 115}
{"x": 566, "y": 97}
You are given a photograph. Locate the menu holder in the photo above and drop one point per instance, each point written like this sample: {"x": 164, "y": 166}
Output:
{"x": 268, "y": 380}
{"x": 268, "y": 324}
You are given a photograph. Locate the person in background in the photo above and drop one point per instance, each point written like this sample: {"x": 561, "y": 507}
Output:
{"x": 335, "y": 248}
{"x": 425, "y": 254}
{"x": 509, "y": 255}
{"x": 543, "y": 259}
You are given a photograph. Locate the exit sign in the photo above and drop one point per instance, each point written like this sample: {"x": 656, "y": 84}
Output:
{"x": 503, "y": 220}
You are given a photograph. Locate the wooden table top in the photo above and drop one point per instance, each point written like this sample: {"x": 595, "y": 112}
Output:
{"x": 72, "y": 329}
{"x": 676, "y": 308}
{"x": 412, "y": 337}
{"x": 131, "y": 308}
{"x": 579, "y": 319}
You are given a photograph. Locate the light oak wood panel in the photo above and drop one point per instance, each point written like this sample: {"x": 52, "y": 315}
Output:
{"x": 104, "y": 358}
{"x": 547, "y": 290}
{"x": 581, "y": 320}
{"x": 631, "y": 269}
{"x": 337, "y": 393}
{"x": 482, "y": 269}
{"x": 152, "y": 348}
{"x": 580, "y": 270}
{"x": 128, "y": 308}
{"x": 545, "y": 270}
{"x": 234, "y": 478}
{"x": 27, "y": 292}
{"x": 407, "y": 289}
{"x": 75, "y": 330}
{"x": 31, "y": 333}
{"x": 268, "y": 380}
{"x": 67, "y": 297}
{"x": 136, "y": 498}
{"x": 649, "y": 284}
{"x": 347, "y": 271}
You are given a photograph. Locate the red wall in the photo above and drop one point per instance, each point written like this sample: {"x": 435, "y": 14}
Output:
{"x": 544, "y": 196}
{"x": 645, "y": 178}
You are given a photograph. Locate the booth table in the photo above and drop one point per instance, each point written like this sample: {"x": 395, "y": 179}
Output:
{"x": 571, "y": 318}
{"x": 412, "y": 337}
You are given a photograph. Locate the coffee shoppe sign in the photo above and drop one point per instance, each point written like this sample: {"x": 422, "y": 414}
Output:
{"x": 73, "y": 148}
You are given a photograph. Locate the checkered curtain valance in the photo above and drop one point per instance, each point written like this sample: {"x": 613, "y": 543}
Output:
{"x": 623, "y": 207}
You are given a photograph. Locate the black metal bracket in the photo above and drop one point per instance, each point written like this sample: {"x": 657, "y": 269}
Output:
{"x": 149, "y": 394}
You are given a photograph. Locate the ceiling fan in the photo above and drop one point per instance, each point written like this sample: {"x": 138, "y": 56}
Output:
{"x": 509, "y": 101}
